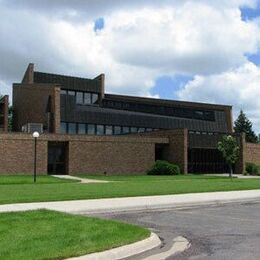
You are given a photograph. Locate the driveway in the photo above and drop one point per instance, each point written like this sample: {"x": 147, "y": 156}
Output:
{"x": 231, "y": 231}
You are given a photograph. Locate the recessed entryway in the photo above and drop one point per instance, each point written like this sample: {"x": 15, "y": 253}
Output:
{"x": 57, "y": 157}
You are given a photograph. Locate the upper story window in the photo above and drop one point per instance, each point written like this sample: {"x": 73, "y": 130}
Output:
{"x": 86, "y": 98}
{"x": 82, "y": 98}
{"x": 71, "y": 93}
{"x": 79, "y": 97}
{"x": 182, "y": 112}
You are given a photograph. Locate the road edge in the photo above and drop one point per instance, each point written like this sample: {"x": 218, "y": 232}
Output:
{"x": 124, "y": 251}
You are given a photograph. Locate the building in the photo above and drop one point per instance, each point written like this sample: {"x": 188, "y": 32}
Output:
{"x": 85, "y": 130}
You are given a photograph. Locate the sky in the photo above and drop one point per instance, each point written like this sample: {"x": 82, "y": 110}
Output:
{"x": 194, "y": 50}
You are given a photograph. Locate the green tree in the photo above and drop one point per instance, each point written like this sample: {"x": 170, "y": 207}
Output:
{"x": 10, "y": 118}
{"x": 230, "y": 151}
{"x": 244, "y": 125}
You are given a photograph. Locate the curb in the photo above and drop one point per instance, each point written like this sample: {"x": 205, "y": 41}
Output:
{"x": 180, "y": 244}
{"x": 124, "y": 251}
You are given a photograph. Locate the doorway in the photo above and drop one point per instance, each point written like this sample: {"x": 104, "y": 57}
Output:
{"x": 57, "y": 158}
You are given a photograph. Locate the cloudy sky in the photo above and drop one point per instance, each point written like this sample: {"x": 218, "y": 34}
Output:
{"x": 197, "y": 50}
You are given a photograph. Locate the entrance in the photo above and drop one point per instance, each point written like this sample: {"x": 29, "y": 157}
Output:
{"x": 57, "y": 157}
{"x": 206, "y": 161}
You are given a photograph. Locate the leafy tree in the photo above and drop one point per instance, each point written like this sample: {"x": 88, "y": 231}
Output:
{"x": 10, "y": 118}
{"x": 244, "y": 125}
{"x": 230, "y": 151}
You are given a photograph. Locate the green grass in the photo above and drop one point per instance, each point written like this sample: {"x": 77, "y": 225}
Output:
{"x": 27, "y": 179}
{"x": 122, "y": 186}
{"x": 46, "y": 234}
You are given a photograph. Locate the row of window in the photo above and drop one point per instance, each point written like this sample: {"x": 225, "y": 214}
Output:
{"x": 93, "y": 129}
{"x": 203, "y": 133}
{"x": 82, "y": 98}
{"x": 183, "y": 112}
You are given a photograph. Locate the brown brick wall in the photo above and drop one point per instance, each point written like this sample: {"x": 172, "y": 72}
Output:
{"x": 16, "y": 154}
{"x": 30, "y": 105}
{"x": 110, "y": 157}
{"x": 87, "y": 154}
{"x": 177, "y": 150}
{"x": 252, "y": 153}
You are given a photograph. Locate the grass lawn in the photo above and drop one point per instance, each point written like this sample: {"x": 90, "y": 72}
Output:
{"x": 26, "y": 179}
{"x": 46, "y": 234}
{"x": 122, "y": 186}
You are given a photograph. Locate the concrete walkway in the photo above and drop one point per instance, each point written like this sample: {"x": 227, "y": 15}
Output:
{"x": 81, "y": 180}
{"x": 137, "y": 203}
{"x": 240, "y": 176}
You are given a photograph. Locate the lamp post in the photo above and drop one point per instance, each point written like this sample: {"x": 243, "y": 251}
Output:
{"x": 35, "y": 136}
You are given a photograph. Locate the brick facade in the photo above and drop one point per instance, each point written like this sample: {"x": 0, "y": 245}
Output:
{"x": 87, "y": 154}
{"x": 177, "y": 150}
{"x": 36, "y": 104}
{"x": 252, "y": 153}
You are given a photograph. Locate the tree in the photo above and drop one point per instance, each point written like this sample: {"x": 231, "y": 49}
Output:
{"x": 244, "y": 125}
{"x": 230, "y": 151}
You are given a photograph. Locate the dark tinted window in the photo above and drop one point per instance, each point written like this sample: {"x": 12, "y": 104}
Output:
{"x": 87, "y": 98}
{"x": 109, "y": 130}
{"x": 100, "y": 129}
{"x": 63, "y": 128}
{"x": 79, "y": 97}
{"x": 91, "y": 129}
{"x": 72, "y": 128}
{"x": 81, "y": 129}
{"x": 117, "y": 130}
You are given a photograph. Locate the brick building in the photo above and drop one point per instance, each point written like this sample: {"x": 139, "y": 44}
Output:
{"x": 85, "y": 130}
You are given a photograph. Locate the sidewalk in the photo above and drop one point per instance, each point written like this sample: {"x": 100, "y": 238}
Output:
{"x": 137, "y": 203}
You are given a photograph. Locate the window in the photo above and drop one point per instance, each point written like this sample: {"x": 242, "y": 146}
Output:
{"x": 94, "y": 98}
{"x": 79, "y": 97}
{"x": 125, "y": 130}
{"x": 71, "y": 93}
{"x": 91, "y": 129}
{"x": 87, "y": 98}
{"x": 63, "y": 92}
{"x": 109, "y": 130}
{"x": 141, "y": 130}
{"x": 72, "y": 128}
{"x": 133, "y": 129}
{"x": 63, "y": 128}
{"x": 117, "y": 130}
{"x": 81, "y": 129}
{"x": 100, "y": 129}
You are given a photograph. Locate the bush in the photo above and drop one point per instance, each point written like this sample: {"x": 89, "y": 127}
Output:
{"x": 252, "y": 169}
{"x": 164, "y": 168}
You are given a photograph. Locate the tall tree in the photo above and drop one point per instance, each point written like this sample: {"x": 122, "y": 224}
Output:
{"x": 244, "y": 125}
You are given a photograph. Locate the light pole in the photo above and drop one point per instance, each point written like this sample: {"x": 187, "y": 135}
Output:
{"x": 35, "y": 136}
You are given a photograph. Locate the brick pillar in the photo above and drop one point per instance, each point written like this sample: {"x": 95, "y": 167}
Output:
{"x": 240, "y": 166}
{"x": 177, "y": 151}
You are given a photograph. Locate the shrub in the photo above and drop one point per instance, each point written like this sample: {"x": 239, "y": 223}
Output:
{"x": 252, "y": 168}
{"x": 164, "y": 168}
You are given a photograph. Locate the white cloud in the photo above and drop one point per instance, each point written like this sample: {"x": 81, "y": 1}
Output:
{"x": 239, "y": 87}
{"x": 141, "y": 41}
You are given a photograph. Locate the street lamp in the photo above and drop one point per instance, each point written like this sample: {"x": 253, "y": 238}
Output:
{"x": 35, "y": 136}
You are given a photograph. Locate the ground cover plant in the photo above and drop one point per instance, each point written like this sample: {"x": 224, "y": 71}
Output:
{"x": 46, "y": 234}
{"x": 120, "y": 186}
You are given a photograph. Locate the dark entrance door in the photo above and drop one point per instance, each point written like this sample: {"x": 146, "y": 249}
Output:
{"x": 57, "y": 157}
{"x": 206, "y": 161}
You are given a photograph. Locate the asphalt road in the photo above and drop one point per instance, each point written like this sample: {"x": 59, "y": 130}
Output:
{"x": 230, "y": 231}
